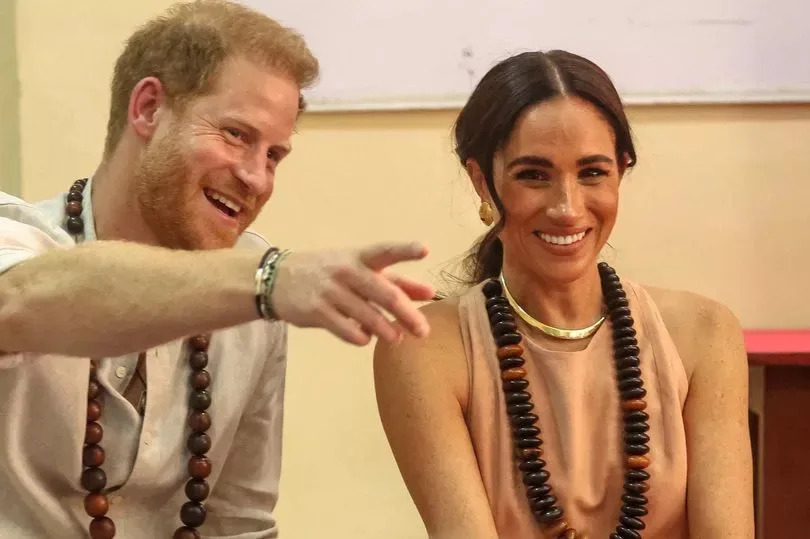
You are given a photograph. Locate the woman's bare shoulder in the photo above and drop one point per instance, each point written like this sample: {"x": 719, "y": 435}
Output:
{"x": 438, "y": 355}
{"x": 695, "y": 322}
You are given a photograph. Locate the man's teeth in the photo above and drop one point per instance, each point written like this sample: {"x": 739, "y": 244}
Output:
{"x": 230, "y": 204}
{"x": 562, "y": 240}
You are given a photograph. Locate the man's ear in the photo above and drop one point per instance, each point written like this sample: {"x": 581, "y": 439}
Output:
{"x": 145, "y": 103}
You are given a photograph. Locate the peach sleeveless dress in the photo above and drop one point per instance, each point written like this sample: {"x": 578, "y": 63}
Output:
{"x": 577, "y": 401}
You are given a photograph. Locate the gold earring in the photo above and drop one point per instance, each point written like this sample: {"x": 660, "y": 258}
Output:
{"x": 485, "y": 213}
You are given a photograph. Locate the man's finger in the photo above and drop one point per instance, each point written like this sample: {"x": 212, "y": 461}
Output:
{"x": 373, "y": 287}
{"x": 364, "y": 314}
{"x": 381, "y": 256}
{"x": 415, "y": 290}
{"x": 345, "y": 328}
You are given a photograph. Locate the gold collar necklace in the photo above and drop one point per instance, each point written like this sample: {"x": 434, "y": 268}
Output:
{"x": 557, "y": 333}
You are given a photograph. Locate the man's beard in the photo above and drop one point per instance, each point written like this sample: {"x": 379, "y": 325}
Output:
{"x": 167, "y": 195}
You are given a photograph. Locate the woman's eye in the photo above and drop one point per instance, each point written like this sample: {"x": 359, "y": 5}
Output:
{"x": 592, "y": 173}
{"x": 531, "y": 174}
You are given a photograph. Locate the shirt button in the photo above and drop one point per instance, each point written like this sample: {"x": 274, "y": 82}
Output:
{"x": 120, "y": 372}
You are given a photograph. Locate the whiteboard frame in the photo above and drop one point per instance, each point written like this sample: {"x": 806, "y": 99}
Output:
{"x": 787, "y": 98}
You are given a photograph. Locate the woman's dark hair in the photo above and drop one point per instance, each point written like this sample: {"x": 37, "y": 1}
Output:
{"x": 486, "y": 122}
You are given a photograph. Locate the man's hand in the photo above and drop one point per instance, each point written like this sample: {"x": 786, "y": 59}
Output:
{"x": 346, "y": 292}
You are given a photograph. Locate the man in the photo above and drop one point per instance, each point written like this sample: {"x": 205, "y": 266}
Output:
{"x": 115, "y": 296}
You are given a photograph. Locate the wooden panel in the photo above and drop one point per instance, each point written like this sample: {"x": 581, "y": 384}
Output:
{"x": 787, "y": 452}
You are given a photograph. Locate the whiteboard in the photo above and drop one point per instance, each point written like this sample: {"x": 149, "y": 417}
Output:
{"x": 427, "y": 54}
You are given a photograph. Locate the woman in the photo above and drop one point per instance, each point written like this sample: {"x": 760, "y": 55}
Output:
{"x": 503, "y": 424}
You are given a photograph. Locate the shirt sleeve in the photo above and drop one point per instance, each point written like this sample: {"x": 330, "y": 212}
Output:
{"x": 244, "y": 498}
{"x": 24, "y": 234}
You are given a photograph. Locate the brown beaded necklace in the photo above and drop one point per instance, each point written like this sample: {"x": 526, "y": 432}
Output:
{"x": 525, "y": 430}
{"x": 93, "y": 479}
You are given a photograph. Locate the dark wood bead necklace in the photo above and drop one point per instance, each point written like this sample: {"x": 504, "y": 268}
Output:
{"x": 526, "y": 432}
{"x": 93, "y": 478}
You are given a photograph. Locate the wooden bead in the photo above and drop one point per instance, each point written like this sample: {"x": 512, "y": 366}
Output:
{"x": 509, "y": 338}
{"x": 636, "y": 475}
{"x": 622, "y": 322}
{"x": 542, "y": 504}
{"x": 636, "y": 427}
{"x": 630, "y": 350}
{"x": 93, "y": 456}
{"x": 74, "y": 225}
{"x": 93, "y": 433}
{"x": 526, "y": 432}
{"x": 96, "y": 505}
{"x": 557, "y": 528}
{"x": 200, "y": 379}
{"x": 504, "y": 327}
{"x": 199, "y": 421}
{"x": 624, "y": 341}
{"x": 93, "y": 389}
{"x": 200, "y": 400}
{"x": 519, "y": 409}
{"x": 199, "y": 443}
{"x": 639, "y": 487}
{"x": 636, "y": 438}
{"x": 531, "y": 465}
{"x": 636, "y": 449}
{"x": 552, "y": 515}
{"x": 529, "y": 453}
{"x": 75, "y": 196}
{"x": 634, "y": 510}
{"x": 73, "y": 208}
{"x": 198, "y": 360}
{"x": 629, "y": 383}
{"x": 93, "y": 479}
{"x": 514, "y": 373}
{"x": 515, "y": 385}
{"x": 629, "y": 372}
{"x": 632, "y": 523}
{"x": 511, "y": 350}
{"x": 633, "y": 499}
{"x": 197, "y": 490}
{"x": 524, "y": 420}
{"x": 619, "y": 333}
{"x": 636, "y": 416}
{"x": 527, "y": 443}
{"x": 93, "y": 410}
{"x": 637, "y": 463}
{"x": 102, "y": 528}
{"x": 517, "y": 397}
{"x": 535, "y": 478}
{"x": 199, "y": 467}
{"x": 634, "y": 393}
{"x": 186, "y": 533}
{"x": 627, "y": 533}
{"x": 510, "y": 362}
{"x": 627, "y": 362}
{"x": 200, "y": 342}
{"x": 192, "y": 514}
{"x": 492, "y": 288}
{"x": 538, "y": 491}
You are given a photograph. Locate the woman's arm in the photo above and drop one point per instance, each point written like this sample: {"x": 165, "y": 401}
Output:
{"x": 720, "y": 501}
{"x": 420, "y": 386}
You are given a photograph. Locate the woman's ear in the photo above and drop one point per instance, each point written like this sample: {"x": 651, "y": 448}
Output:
{"x": 477, "y": 178}
{"x": 625, "y": 163}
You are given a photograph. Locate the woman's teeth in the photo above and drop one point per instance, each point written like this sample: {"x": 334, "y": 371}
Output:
{"x": 562, "y": 240}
